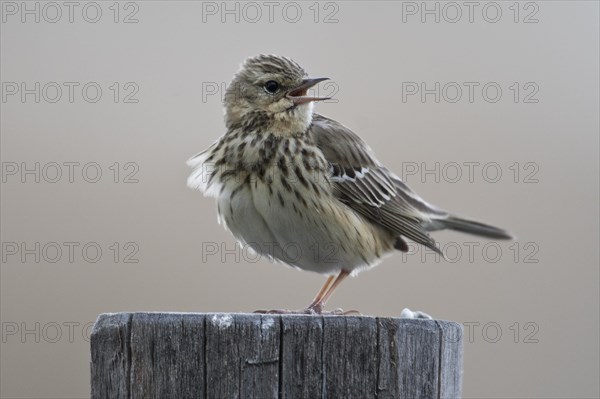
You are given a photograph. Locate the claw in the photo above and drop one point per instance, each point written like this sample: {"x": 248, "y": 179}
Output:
{"x": 316, "y": 310}
{"x": 286, "y": 311}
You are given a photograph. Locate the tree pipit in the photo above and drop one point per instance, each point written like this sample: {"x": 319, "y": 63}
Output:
{"x": 305, "y": 190}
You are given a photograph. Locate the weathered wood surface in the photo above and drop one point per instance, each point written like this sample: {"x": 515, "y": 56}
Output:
{"x": 183, "y": 355}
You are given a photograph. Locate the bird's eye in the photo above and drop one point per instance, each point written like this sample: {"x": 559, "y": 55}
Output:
{"x": 271, "y": 86}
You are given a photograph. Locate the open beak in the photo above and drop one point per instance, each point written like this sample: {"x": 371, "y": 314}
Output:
{"x": 298, "y": 95}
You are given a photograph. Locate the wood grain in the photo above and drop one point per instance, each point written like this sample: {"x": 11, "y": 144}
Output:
{"x": 184, "y": 355}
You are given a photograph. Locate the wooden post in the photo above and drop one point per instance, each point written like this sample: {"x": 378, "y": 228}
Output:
{"x": 185, "y": 355}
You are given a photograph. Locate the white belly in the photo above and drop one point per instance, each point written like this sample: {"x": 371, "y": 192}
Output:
{"x": 298, "y": 235}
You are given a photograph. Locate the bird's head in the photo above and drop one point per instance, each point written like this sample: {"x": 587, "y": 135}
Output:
{"x": 269, "y": 93}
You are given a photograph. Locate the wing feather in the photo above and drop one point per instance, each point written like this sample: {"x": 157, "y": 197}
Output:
{"x": 370, "y": 189}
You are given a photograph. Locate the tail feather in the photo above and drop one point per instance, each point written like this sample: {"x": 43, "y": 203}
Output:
{"x": 476, "y": 228}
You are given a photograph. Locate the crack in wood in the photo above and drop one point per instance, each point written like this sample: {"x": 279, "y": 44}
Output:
{"x": 291, "y": 356}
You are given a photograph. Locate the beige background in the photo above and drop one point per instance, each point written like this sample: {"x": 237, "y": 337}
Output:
{"x": 368, "y": 53}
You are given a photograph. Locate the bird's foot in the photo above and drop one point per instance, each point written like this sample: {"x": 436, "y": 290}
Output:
{"x": 284, "y": 311}
{"x": 339, "y": 312}
{"x": 312, "y": 310}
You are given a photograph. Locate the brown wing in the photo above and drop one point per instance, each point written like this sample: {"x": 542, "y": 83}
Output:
{"x": 370, "y": 189}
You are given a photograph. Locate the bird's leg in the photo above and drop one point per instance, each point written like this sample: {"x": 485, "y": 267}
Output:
{"x": 308, "y": 310}
{"x": 319, "y": 297}
{"x": 316, "y": 307}
{"x": 319, "y": 302}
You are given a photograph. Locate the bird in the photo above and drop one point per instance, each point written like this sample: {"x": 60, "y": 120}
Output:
{"x": 303, "y": 189}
